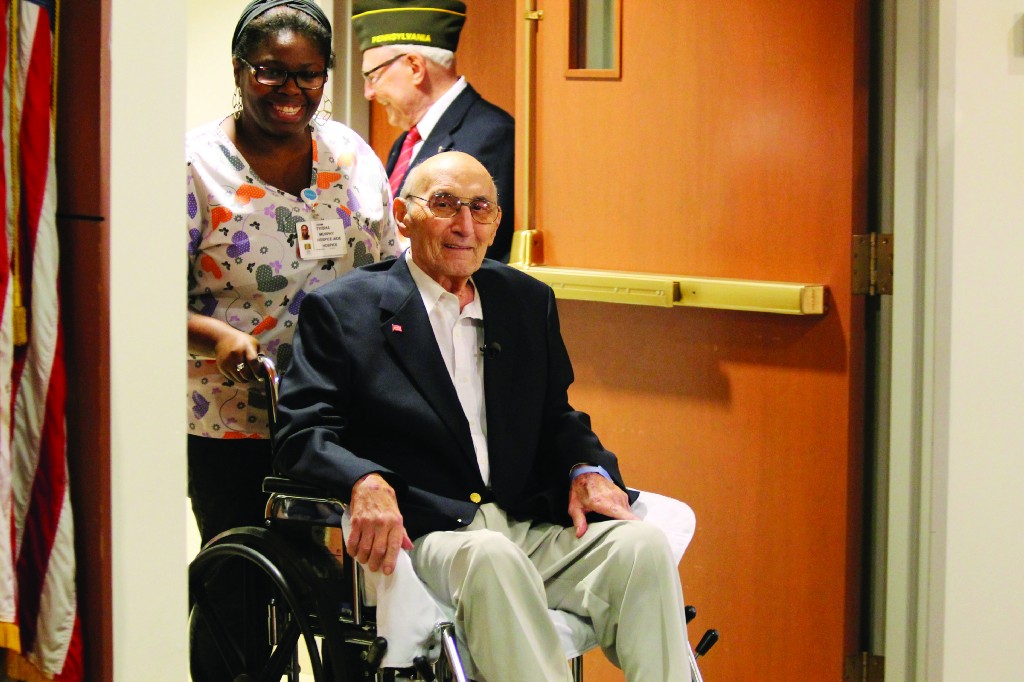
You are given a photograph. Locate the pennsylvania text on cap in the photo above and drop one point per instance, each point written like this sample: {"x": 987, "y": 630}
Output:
{"x": 417, "y": 22}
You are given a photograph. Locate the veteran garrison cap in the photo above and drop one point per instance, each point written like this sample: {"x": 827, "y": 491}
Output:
{"x": 408, "y": 22}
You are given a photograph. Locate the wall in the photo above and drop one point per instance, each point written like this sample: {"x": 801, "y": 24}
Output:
{"x": 977, "y": 557}
{"x": 147, "y": 339}
{"x": 210, "y": 82}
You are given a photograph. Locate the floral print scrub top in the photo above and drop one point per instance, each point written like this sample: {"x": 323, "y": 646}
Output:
{"x": 244, "y": 263}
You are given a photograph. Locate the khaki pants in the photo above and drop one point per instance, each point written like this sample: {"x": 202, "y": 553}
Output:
{"x": 501, "y": 575}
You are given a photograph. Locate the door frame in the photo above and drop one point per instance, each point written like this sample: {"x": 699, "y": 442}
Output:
{"x": 910, "y": 535}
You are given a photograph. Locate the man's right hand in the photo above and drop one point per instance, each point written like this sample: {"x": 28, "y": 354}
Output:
{"x": 377, "y": 529}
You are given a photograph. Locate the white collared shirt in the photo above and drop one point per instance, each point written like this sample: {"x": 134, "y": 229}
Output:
{"x": 426, "y": 124}
{"x": 459, "y": 334}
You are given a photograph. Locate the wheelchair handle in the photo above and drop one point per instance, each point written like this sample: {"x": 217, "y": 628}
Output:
{"x": 272, "y": 380}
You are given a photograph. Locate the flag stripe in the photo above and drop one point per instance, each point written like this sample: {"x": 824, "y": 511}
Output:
{"x": 8, "y": 630}
{"x": 35, "y": 121}
{"x": 43, "y": 543}
{"x": 31, "y": 362}
{"x": 44, "y": 503}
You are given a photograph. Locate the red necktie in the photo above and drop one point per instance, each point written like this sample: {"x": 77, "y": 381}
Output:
{"x": 404, "y": 159}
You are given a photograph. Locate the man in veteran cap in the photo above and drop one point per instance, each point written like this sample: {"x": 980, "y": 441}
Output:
{"x": 409, "y": 69}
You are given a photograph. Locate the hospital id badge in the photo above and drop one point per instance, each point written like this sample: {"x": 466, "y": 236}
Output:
{"x": 322, "y": 239}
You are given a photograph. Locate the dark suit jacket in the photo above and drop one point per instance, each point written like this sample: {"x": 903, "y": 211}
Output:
{"x": 473, "y": 125}
{"x": 367, "y": 391}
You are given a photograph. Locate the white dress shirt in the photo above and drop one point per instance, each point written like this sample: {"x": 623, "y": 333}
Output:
{"x": 459, "y": 334}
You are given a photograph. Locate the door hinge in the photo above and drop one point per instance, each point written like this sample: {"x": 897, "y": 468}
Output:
{"x": 872, "y": 263}
{"x": 535, "y": 15}
{"x": 864, "y": 667}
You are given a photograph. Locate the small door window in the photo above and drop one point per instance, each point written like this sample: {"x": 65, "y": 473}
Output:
{"x": 594, "y": 39}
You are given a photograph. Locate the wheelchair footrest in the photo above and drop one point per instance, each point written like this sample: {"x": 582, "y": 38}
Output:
{"x": 374, "y": 653}
{"x": 423, "y": 668}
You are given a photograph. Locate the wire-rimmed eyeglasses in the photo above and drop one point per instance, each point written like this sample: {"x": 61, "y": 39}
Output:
{"x": 445, "y": 205}
{"x": 273, "y": 76}
{"x": 374, "y": 74}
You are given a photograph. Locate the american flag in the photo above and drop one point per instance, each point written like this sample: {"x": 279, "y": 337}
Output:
{"x": 38, "y": 607}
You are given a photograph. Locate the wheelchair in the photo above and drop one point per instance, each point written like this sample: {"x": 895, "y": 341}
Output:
{"x": 315, "y": 614}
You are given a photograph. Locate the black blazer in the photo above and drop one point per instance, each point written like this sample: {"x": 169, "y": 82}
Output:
{"x": 473, "y": 125}
{"x": 367, "y": 391}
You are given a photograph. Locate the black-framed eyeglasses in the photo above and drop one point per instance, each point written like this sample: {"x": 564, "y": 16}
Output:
{"x": 374, "y": 74}
{"x": 445, "y": 205}
{"x": 273, "y": 76}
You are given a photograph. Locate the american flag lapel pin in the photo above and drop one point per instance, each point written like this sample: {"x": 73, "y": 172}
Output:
{"x": 397, "y": 328}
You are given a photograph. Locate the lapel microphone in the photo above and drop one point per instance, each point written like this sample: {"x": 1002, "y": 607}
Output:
{"x": 490, "y": 350}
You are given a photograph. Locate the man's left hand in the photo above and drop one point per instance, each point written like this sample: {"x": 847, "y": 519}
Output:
{"x": 378, "y": 531}
{"x": 592, "y": 492}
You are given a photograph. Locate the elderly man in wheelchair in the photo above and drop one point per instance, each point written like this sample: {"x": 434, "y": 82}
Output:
{"x": 428, "y": 394}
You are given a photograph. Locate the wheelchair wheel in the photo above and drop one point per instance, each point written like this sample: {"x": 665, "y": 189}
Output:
{"x": 254, "y": 606}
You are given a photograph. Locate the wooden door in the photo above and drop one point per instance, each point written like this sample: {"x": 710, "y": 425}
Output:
{"x": 734, "y": 144}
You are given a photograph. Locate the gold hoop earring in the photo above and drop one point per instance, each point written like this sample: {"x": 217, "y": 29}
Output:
{"x": 236, "y": 103}
{"x": 325, "y": 111}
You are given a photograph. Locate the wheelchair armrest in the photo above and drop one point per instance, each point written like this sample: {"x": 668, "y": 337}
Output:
{"x": 295, "y": 501}
{"x": 288, "y": 486}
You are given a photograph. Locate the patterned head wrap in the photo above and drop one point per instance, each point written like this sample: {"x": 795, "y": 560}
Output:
{"x": 258, "y": 7}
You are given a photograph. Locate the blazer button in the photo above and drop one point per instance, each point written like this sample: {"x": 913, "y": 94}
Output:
{"x": 475, "y": 498}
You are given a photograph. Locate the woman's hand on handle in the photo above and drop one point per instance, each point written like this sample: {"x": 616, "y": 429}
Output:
{"x": 234, "y": 351}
